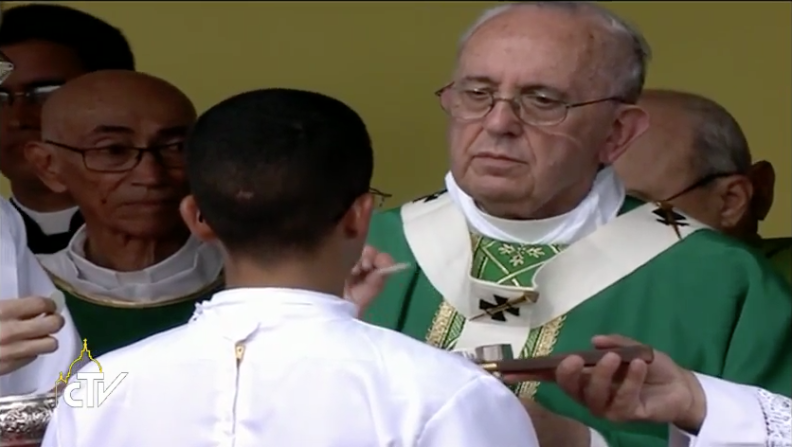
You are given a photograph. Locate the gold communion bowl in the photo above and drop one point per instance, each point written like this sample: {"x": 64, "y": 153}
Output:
{"x": 24, "y": 419}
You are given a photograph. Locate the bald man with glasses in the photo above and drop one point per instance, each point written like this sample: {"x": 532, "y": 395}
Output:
{"x": 113, "y": 141}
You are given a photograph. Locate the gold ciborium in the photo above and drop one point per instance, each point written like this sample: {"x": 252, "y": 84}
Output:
{"x": 24, "y": 419}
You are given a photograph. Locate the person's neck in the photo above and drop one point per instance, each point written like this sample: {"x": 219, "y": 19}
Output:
{"x": 533, "y": 209}
{"x": 42, "y": 199}
{"x": 307, "y": 273}
{"x": 746, "y": 231}
{"x": 124, "y": 253}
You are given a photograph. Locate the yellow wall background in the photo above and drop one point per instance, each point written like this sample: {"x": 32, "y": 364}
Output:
{"x": 385, "y": 59}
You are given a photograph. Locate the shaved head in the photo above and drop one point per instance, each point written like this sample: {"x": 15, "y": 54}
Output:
{"x": 113, "y": 140}
{"x": 689, "y": 137}
{"x": 695, "y": 156}
{"x": 97, "y": 97}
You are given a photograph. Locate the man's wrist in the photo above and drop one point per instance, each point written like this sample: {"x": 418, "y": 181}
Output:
{"x": 693, "y": 417}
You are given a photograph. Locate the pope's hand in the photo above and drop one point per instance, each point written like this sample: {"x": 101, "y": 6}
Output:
{"x": 366, "y": 280}
{"x": 657, "y": 392}
{"x": 26, "y": 329}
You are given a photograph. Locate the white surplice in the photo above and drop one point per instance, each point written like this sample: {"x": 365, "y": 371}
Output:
{"x": 193, "y": 267}
{"x": 21, "y": 276}
{"x": 739, "y": 416}
{"x": 311, "y": 374}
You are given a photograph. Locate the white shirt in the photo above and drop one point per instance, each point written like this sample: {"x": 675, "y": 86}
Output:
{"x": 52, "y": 222}
{"x": 311, "y": 375}
{"x": 21, "y": 276}
{"x": 739, "y": 416}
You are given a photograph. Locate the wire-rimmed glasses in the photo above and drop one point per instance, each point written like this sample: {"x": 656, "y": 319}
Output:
{"x": 379, "y": 197}
{"x": 471, "y": 104}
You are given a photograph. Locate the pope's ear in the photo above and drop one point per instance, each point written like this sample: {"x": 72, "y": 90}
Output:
{"x": 46, "y": 164}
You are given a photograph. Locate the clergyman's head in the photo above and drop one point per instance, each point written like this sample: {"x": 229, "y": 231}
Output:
{"x": 542, "y": 96}
{"x": 113, "y": 140}
{"x": 281, "y": 176}
{"x": 48, "y": 45}
{"x": 695, "y": 156}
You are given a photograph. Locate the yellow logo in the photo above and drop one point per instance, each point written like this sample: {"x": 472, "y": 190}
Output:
{"x": 83, "y": 352}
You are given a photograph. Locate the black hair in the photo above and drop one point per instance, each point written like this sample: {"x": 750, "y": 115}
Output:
{"x": 274, "y": 170}
{"x": 99, "y": 45}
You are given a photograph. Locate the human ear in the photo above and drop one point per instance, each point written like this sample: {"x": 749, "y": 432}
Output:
{"x": 355, "y": 223}
{"x": 631, "y": 122}
{"x": 736, "y": 193}
{"x": 47, "y": 165}
{"x": 191, "y": 215}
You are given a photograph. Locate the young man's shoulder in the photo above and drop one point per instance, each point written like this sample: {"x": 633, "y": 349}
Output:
{"x": 147, "y": 355}
{"x": 416, "y": 367}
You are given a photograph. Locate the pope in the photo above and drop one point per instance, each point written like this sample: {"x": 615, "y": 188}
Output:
{"x": 533, "y": 242}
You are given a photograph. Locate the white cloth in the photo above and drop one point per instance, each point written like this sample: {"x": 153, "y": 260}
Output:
{"x": 53, "y": 222}
{"x": 311, "y": 375}
{"x": 195, "y": 266}
{"x": 21, "y": 276}
{"x": 600, "y": 206}
{"x": 739, "y": 416}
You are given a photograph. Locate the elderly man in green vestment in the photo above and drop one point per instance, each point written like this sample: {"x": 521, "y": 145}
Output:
{"x": 701, "y": 163}
{"x": 534, "y": 245}
{"x": 113, "y": 140}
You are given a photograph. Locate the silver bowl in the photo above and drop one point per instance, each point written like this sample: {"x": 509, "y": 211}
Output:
{"x": 24, "y": 419}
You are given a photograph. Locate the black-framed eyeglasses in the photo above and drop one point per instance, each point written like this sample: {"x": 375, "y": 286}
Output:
{"x": 379, "y": 197}
{"x": 35, "y": 95}
{"x": 120, "y": 158}
{"x": 703, "y": 181}
{"x": 472, "y": 104}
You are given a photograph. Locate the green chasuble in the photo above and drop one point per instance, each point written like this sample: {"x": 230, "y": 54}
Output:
{"x": 779, "y": 252}
{"x": 110, "y": 324}
{"x": 709, "y": 302}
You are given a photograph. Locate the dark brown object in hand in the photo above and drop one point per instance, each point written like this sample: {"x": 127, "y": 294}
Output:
{"x": 551, "y": 362}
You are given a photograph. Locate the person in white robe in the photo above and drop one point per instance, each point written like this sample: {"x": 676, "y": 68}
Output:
{"x": 701, "y": 410}
{"x": 37, "y": 335}
{"x": 280, "y": 180}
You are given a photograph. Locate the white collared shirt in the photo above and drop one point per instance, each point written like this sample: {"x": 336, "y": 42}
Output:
{"x": 311, "y": 375}
{"x": 50, "y": 222}
{"x": 739, "y": 416}
{"x": 22, "y": 276}
{"x": 192, "y": 268}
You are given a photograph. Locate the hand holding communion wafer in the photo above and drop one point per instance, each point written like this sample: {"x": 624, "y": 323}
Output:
{"x": 368, "y": 276}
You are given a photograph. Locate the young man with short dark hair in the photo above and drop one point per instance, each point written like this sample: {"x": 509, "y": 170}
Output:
{"x": 281, "y": 182}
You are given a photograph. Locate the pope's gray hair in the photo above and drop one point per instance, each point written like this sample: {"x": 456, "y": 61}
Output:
{"x": 630, "y": 52}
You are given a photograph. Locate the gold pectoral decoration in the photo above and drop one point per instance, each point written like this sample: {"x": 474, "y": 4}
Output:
{"x": 509, "y": 265}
